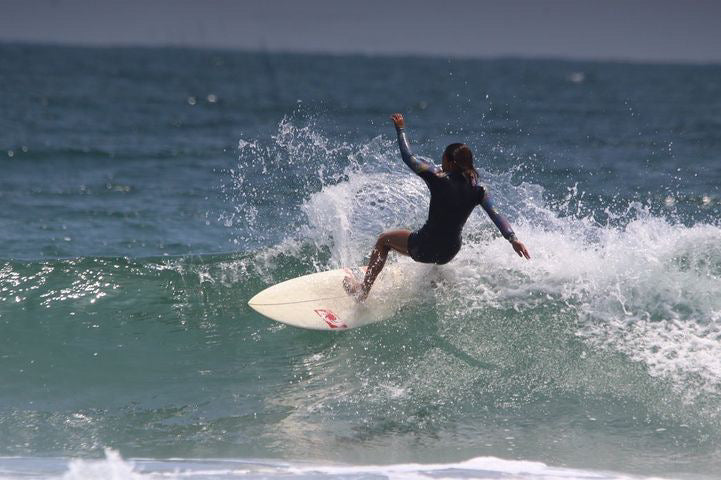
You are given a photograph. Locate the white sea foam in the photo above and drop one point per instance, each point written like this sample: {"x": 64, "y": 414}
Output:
{"x": 114, "y": 467}
{"x": 648, "y": 290}
{"x": 349, "y": 215}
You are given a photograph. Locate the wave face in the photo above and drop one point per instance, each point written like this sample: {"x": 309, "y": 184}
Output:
{"x": 126, "y": 273}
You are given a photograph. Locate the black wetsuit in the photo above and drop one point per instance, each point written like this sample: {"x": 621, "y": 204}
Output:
{"x": 453, "y": 198}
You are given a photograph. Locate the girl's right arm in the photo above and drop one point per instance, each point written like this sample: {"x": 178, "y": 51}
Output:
{"x": 419, "y": 166}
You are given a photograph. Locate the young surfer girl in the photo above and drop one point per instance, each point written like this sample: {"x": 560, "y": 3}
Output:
{"x": 455, "y": 192}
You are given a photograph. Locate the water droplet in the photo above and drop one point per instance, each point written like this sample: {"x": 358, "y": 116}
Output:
{"x": 577, "y": 77}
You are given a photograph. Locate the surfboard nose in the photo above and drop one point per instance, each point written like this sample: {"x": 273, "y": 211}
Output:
{"x": 253, "y": 300}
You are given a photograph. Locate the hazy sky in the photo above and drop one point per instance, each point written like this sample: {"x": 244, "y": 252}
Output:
{"x": 662, "y": 30}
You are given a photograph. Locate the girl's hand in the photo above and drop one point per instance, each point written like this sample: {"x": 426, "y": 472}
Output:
{"x": 398, "y": 120}
{"x": 521, "y": 249}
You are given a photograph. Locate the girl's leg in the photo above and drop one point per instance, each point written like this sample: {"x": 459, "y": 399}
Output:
{"x": 391, "y": 240}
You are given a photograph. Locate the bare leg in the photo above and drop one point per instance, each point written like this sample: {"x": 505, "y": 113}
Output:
{"x": 391, "y": 240}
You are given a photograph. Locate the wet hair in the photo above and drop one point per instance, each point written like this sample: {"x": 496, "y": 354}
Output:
{"x": 461, "y": 156}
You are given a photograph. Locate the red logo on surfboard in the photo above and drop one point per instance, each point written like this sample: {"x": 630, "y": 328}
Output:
{"x": 330, "y": 318}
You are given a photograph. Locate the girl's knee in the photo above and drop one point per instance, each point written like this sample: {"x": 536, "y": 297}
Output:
{"x": 383, "y": 242}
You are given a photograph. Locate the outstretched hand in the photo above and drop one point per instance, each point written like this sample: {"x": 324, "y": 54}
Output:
{"x": 521, "y": 249}
{"x": 398, "y": 120}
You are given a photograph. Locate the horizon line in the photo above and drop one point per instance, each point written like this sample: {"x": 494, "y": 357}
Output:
{"x": 360, "y": 53}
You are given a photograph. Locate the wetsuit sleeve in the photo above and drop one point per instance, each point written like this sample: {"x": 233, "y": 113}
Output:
{"x": 503, "y": 226}
{"x": 421, "y": 167}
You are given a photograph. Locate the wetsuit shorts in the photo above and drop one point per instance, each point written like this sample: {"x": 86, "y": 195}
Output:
{"x": 425, "y": 248}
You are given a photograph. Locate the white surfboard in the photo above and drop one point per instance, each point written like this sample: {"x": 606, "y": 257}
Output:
{"x": 319, "y": 302}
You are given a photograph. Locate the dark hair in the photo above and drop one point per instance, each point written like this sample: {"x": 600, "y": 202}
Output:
{"x": 460, "y": 154}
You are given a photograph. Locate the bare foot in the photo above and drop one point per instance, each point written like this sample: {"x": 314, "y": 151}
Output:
{"x": 353, "y": 288}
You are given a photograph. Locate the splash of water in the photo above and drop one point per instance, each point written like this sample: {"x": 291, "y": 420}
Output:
{"x": 639, "y": 284}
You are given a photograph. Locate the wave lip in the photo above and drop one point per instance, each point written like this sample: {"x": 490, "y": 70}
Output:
{"x": 114, "y": 467}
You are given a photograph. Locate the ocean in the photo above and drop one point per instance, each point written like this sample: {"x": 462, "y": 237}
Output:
{"x": 148, "y": 193}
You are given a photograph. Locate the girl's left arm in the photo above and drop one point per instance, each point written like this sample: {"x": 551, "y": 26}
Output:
{"x": 503, "y": 226}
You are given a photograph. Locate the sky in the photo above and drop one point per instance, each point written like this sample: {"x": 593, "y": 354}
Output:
{"x": 636, "y": 30}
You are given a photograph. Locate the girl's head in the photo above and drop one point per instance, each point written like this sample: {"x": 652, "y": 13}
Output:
{"x": 457, "y": 157}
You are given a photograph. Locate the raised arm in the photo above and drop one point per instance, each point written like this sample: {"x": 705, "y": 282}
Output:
{"x": 502, "y": 224}
{"x": 416, "y": 164}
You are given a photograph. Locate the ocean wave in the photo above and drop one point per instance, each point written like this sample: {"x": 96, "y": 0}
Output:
{"x": 611, "y": 327}
{"x": 116, "y": 468}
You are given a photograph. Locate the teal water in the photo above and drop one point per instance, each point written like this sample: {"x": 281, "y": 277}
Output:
{"x": 148, "y": 193}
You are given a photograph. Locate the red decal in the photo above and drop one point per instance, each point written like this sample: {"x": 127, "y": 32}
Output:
{"x": 330, "y": 318}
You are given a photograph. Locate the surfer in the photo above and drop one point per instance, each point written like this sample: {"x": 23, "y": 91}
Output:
{"x": 455, "y": 192}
